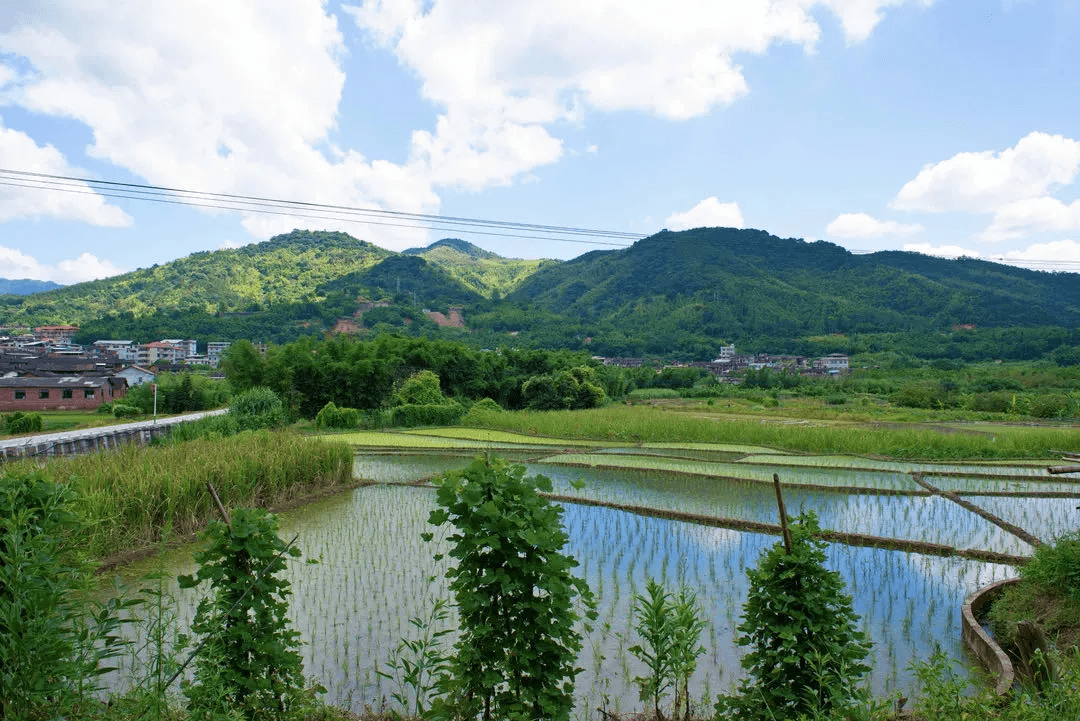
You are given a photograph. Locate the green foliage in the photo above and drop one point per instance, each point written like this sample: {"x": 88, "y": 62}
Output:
{"x": 516, "y": 597}
{"x": 806, "y": 653}
{"x": 438, "y": 414}
{"x": 421, "y": 388}
{"x": 257, "y": 407}
{"x": 1056, "y": 566}
{"x": 52, "y": 646}
{"x": 571, "y": 389}
{"x": 250, "y": 661}
{"x": 671, "y": 628}
{"x": 179, "y": 393}
{"x": 19, "y": 422}
{"x": 331, "y": 416}
{"x": 417, "y": 664}
{"x": 122, "y": 410}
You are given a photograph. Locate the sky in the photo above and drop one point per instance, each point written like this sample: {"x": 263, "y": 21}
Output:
{"x": 948, "y": 127}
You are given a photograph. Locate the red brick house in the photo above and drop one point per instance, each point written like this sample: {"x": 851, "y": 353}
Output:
{"x": 59, "y": 394}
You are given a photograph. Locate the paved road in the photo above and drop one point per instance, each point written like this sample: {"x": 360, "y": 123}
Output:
{"x": 82, "y": 433}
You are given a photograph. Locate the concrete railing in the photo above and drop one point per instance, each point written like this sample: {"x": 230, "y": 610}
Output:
{"x": 979, "y": 642}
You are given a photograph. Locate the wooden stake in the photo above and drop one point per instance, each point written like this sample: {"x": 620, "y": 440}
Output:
{"x": 1063, "y": 469}
{"x": 220, "y": 507}
{"x": 783, "y": 515}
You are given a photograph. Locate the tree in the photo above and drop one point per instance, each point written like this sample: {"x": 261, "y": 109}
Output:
{"x": 807, "y": 655}
{"x": 515, "y": 596}
{"x": 243, "y": 365}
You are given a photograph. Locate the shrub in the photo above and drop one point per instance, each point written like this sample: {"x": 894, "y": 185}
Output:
{"x": 251, "y": 661}
{"x": 257, "y": 407}
{"x": 807, "y": 655}
{"x": 479, "y": 411}
{"x": 994, "y": 402}
{"x": 19, "y": 422}
{"x": 426, "y": 415}
{"x": 105, "y": 408}
{"x": 332, "y": 416}
{"x": 51, "y": 645}
{"x": 515, "y": 596}
{"x": 121, "y": 410}
{"x": 1049, "y": 406}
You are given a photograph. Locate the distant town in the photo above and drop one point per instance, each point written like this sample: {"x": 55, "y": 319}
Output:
{"x": 44, "y": 370}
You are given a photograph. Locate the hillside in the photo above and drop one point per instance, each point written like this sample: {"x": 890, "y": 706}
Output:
{"x": 486, "y": 273}
{"x": 677, "y": 294}
{"x": 723, "y": 282}
{"x": 25, "y": 286}
{"x": 284, "y": 269}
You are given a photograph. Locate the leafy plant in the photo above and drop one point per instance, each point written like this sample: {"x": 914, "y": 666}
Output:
{"x": 19, "y": 422}
{"x": 52, "y": 646}
{"x": 517, "y": 601}
{"x": 807, "y": 656}
{"x": 257, "y": 407}
{"x": 671, "y": 628}
{"x": 419, "y": 664}
{"x": 250, "y": 660}
{"x": 333, "y": 416}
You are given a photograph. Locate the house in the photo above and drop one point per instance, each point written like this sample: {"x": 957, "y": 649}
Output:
{"x": 125, "y": 350}
{"x": 136, "y": 375}
{"x": 833, "y": 364}
{"x": 61, "y": 333}
{"x": 63, "y": 393}
{"x": 214, "y": 349}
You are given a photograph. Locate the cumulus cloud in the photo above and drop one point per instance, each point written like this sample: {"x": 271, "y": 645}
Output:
{"x": 26, "y": 199}
{"x": 982, "y": 182}
{"x": 1015, "y": 220}
{"x": 861, "y": 225}
{"x": 235, "y": 97}
{"x": 942, "y": 251}
{"x": 503, "y": 73}
{"x": 709, "y": 213}
{"x": 15, "y": 264}
{"x": 1046, "y": 256}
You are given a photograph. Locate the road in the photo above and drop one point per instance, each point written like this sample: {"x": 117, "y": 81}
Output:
{"x": 84, "y": 433}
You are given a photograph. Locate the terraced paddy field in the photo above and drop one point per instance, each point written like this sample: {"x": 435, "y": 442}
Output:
{"x": 696, "y": 514}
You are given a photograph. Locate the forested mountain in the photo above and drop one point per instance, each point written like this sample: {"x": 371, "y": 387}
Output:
{"x": 741, "y": 283}
{"x": 284, "y": 269}
{"x": 490, "y": 275}
{"x": 25, "y": 286}
{"x": 674, "y": 294}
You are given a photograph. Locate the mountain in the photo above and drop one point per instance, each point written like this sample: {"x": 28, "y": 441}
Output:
{"x": 725, "y": 282}
{"x": 285, "y": 269}
{"x": 486, "y": 273}
{"x": 25, "y": 286}
{"x": 682, "y": 294}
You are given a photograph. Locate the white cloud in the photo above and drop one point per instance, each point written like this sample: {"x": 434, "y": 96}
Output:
{"x": 1015, "y": 220}
{"x": 709, "y": 213}
{"x": 861, "y": 225}
{"x": 943, "y": 251}
{"x": 15, "y": 264}
{"x": 235, "y": 97}
{"x": 504, "y": 72}
{"x": 1046, "y": 256}
{"x": 23, "y": 197}
{"x": 982, "y": 182}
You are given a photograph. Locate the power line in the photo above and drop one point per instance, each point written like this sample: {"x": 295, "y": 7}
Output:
{"x": 376, "y": 216}
{"x": 302, "y": 209}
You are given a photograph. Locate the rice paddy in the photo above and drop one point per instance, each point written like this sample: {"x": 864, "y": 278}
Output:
{"x": 375, "y": 572}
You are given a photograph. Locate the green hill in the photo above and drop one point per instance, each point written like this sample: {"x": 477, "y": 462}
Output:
{"x": 486, "y": 273}
{"x": 285, "y": 269}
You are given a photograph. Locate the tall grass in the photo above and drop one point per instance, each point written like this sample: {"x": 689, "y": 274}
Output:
{"x": 634, "y": 424}
{"x": 128, "y": 494}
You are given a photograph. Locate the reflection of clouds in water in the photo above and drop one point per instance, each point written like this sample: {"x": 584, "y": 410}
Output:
{"x": 713, "y": 539}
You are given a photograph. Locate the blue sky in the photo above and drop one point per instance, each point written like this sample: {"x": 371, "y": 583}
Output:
{"x": 942, "y": 126}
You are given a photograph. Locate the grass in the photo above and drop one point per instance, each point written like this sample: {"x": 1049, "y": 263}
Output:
{"x": 649, "y": 424}
{"x": 130, "y": 494}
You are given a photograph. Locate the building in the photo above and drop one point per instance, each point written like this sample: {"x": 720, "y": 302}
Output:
{"x": 61, "y": 333}
{"x": 833, "y": 364}
{"x": 59, "y": 394}
{"x": 136, "y": 375}
{"x": 125, "y": 350}
{"x": 184, "y": 347}
{"x": 214, "y": 349}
